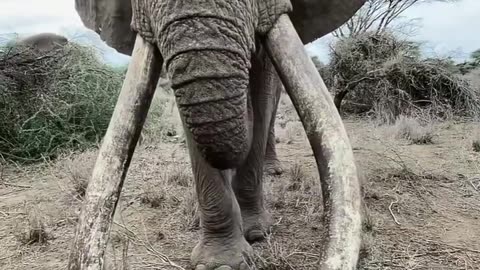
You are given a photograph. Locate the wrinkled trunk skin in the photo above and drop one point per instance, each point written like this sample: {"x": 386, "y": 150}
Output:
{"x": 207, "y": 56}
{"x": 211, "y": 93}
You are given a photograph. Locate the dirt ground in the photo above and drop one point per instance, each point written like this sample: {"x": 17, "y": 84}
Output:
{"x": 423, "y": 204}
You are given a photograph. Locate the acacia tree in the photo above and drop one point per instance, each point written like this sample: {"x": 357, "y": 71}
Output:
{"x": 377, "y": 16}
{"x": 371, "y": 22}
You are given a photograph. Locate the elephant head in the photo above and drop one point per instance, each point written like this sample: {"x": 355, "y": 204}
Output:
{"x": 207, "y": 47}
{"x": 312, "y": 19}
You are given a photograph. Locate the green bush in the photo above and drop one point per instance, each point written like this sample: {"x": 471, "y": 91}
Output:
{"x": 51, "y": 101}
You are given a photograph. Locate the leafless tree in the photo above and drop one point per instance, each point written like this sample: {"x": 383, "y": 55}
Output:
{"x": 378, "y": 16}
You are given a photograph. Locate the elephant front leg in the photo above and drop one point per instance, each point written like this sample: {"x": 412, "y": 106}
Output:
{"x": 272, "y": 164}
{"x": 222, "y": 244}
{"x": 248, "y": 184}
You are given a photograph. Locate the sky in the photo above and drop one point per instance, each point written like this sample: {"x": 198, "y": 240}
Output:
{"x": 446, "y": 29}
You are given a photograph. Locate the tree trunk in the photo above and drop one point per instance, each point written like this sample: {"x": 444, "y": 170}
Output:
{"x": 339, "y": 98}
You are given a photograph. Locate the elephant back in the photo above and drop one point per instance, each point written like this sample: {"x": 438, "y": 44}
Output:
{"x": 44, "y": 41}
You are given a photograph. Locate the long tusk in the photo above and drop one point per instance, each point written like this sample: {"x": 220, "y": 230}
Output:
{"x": 330, "y": 144}
{"x": 114, "y": 158}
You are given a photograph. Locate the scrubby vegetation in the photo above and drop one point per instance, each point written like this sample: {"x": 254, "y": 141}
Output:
{"x": 416, "y": 182}
{"x": 385, "y": 76}
{"x": 61, "y": 99}
{"x": 420, "y": 182}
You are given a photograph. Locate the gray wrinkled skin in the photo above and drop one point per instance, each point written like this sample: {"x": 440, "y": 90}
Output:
{"x": 311, "y": 18}
{"x": 207, "y": 47}
{"x": 227, "y": 91}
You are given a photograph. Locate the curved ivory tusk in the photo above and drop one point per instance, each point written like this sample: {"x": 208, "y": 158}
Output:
{"x": 114, "y": 158}
{"x": 330, "y": 144}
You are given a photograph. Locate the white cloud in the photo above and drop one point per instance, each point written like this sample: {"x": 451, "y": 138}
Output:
{"x": 449, "y": 27}
{"x": 33, "y": 16}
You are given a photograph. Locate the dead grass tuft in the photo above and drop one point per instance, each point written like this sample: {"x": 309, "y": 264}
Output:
{"x": 476, "y": 145}
{"x": 34, "y": 229}
{"x": 164, "y": 190}
{"x": 297, "y": 177}
{"x": 79, "y": 170}
{"x": 293, "y": 130}
{"x": 476, "y": 141}
{"x": 409, "y": 128}
{"x": 279, "y": 256}
{"x": 181, "y": 176}
{"x": 159, "y": 196}
{"x": 163, "y": 122}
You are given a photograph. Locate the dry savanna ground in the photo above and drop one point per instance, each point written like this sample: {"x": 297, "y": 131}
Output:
{"x": 421, "y": 186}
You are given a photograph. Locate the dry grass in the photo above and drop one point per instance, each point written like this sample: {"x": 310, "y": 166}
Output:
{"x": 476, "y": 145}
{"x": 34, "y": 228}
{"x": 476, "y": 140}
{"x": 417, "y": 184}
{"x": 409, "y": 128}
{"x": 181, "y": 176}
{"x": 163, "y": 122}
{"x": 79, "y": 169}
{"x": 163, "y": 192}
{"x": 297, "y": 177}
{"x": 277, "y": 256}
{"x": 156, "y": 196}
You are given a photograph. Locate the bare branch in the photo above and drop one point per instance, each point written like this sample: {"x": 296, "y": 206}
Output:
{"x": 378, "y": 15}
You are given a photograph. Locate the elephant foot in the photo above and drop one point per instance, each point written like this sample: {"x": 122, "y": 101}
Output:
{"x": 257, "y": 226}
{"x": 273, "y": 167}
{"x": 226, "y": 256}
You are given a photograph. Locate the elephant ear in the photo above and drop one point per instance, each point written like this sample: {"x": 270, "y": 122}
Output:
{"x": 315, "y": 18}
{"x": 111, "y": 20}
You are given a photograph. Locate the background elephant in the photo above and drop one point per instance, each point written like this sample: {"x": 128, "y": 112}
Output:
{"x": 44, "y": 41}
{"x": 219, "y": 56}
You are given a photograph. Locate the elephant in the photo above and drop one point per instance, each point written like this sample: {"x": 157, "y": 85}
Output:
{"x": 227, "y": 61}
{"x": 115, "y": 19}
{"x": 44, "y": 41}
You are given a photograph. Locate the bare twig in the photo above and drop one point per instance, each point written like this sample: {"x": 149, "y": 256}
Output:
{"x": 473, "y": 185}
{"x": 391, "y": 211}
{"x": 163, "y": 259}
{"x": 15, "y": 185}
{"x": 450, "y": 245}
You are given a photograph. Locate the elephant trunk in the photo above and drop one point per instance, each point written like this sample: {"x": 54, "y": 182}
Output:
{"x": 209, "y": 62}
